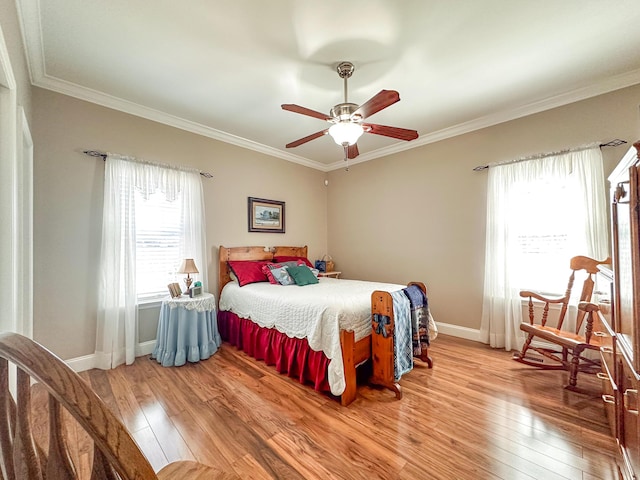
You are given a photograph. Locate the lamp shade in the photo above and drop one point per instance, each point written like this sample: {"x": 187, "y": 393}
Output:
{"x": 345, "y": 133}
{"x": 187, "y": 266}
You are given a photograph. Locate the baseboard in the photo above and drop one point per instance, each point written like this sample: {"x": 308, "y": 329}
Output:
{"x": 99, "y": 360}
{"x": 80, "y": 364}
{"x": 145, "y": 348}
{"x": 458, "y": 331}
{"x": 102, "y": 361}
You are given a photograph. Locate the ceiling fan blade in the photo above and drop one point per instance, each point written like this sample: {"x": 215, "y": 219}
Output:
{"x": 381, "y": 100}
{"x": 305, "y": 111}
{"x": 352, "y": 151}
{"x": 308, "y": 138}
{"x": 393, "y": 132}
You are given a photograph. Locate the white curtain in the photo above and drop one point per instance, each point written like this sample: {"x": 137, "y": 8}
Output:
{"x": 117, "y": 332}
{"x": 563, "y": 194}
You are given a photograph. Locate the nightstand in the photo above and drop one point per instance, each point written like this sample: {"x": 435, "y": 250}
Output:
{"x": 329, "y": 274}
{"x": 187, "y": 330}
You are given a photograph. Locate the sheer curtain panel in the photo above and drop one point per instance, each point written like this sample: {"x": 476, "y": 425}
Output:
{"x": 117, "y": 332}
{"x": 540, "y": 213}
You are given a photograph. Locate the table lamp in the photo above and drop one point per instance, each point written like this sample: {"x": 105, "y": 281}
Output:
{"x": 188, "y": 266}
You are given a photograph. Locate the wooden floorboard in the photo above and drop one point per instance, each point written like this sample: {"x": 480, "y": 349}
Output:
{"x": 476, "y": 415}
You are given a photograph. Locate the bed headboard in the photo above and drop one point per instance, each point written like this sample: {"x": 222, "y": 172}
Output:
{"x": 250, "y": 253}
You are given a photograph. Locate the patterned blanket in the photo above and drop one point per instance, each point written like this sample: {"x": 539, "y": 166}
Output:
{"x": 402, "y": 346}
{"x": 411, "y": 335}
{"x": 419, "y": 319}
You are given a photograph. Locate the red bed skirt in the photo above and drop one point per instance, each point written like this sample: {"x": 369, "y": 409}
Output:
{"x": 291, "y": 356}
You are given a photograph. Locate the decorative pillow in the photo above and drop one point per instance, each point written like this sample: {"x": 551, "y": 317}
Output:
{"x": 248, "y": 271}
{"x": 302, "y": 275}
{"x": 267, "y": 268}
{"x": 292, "y": 258}
{"x": 315, "y": 271}
{"x": 281, "y": 274}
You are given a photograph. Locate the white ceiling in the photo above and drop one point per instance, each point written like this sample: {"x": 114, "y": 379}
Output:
{"x": 222, "y": 68}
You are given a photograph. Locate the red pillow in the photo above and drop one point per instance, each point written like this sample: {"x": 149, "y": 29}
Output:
{"x": 293, "y": 259}
{"x": 248, "y": 271}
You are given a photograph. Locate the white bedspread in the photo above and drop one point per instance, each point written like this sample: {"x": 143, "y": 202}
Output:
{"x": 316, "y": 312}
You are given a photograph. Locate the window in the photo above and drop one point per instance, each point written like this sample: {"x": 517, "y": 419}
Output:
{"x": 159, "y": 230}
{"x": 546, "y": 217}
{"x": 153, "y": 217}
{"x": 540, "y": 213}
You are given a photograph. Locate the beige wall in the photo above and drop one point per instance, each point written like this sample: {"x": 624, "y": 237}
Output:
{"x": 68, "y": 206}
{"x": 420, "y": 214}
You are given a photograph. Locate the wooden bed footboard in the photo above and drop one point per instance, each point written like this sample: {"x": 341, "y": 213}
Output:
{"x": 382, "y": 346}
{"x": 353, "y": 354}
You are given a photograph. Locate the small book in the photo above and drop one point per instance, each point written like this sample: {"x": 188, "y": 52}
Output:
{"x": 174, "y": 290}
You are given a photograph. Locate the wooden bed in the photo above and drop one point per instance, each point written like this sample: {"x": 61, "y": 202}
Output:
{"x": 354, "y": 352}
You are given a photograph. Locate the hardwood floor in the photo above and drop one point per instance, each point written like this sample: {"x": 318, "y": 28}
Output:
{"x": 476, "y": 415}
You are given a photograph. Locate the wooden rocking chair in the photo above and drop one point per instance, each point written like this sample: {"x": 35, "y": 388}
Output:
{"x": 115, "y": 453}
{"x": 571, "y": 343}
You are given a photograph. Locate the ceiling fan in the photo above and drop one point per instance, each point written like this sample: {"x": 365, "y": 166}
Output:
{"x": 347, "y": 118}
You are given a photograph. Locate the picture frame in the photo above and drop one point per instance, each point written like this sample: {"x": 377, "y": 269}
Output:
{"x": 174, "y": 290}
{"x": 265, "y": 215}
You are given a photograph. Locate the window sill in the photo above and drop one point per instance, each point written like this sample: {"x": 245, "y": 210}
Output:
{"x": 149, "y": 303}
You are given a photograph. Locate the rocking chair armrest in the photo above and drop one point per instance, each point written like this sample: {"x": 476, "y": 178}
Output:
{"x": 588, "y": 307}
{"x": 537, "y": 296}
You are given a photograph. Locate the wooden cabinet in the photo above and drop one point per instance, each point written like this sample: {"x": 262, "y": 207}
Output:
{"x": 603, "y": 328}
{"x": 621, "y": 312}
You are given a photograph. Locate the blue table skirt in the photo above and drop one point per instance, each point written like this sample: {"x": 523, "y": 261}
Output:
{"x": 185, "y": 335}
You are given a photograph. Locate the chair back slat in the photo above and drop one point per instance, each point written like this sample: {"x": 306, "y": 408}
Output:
{"x": 585, "y": 296}
{"x": 7, "y": 423}
{"x": 565, "y": 302}
{"x": 59, "y": 463}
{"x": 102, "y": 469}
{"x": 25, "y": 457}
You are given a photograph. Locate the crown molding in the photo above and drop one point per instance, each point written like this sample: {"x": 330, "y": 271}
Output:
{"x": 110, "y": 101}
{"x": 100, "y": 98}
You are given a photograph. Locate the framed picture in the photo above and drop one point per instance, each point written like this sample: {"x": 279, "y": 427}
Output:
{"x": 265, "y": 215}
{"x": 174, "y": 290}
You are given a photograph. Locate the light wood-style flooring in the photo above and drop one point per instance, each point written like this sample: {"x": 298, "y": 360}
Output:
{"x": 476, "y": 415}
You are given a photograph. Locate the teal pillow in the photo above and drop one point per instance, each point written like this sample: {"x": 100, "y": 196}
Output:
{"x": 302, "y": 275}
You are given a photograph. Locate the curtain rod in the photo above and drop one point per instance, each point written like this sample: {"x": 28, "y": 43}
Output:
{"x": 98, "y": 154}
{"x": 612, "y": 143}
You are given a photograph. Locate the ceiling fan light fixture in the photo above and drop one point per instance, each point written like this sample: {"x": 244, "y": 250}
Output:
{"x": 345, "y": 133}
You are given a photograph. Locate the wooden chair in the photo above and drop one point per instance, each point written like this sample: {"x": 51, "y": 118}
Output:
{"x": 571, "y": 343}
{"x": 115, "y": 453}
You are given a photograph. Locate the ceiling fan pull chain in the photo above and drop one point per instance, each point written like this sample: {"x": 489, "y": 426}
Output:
{"x": 346, "y": 156}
